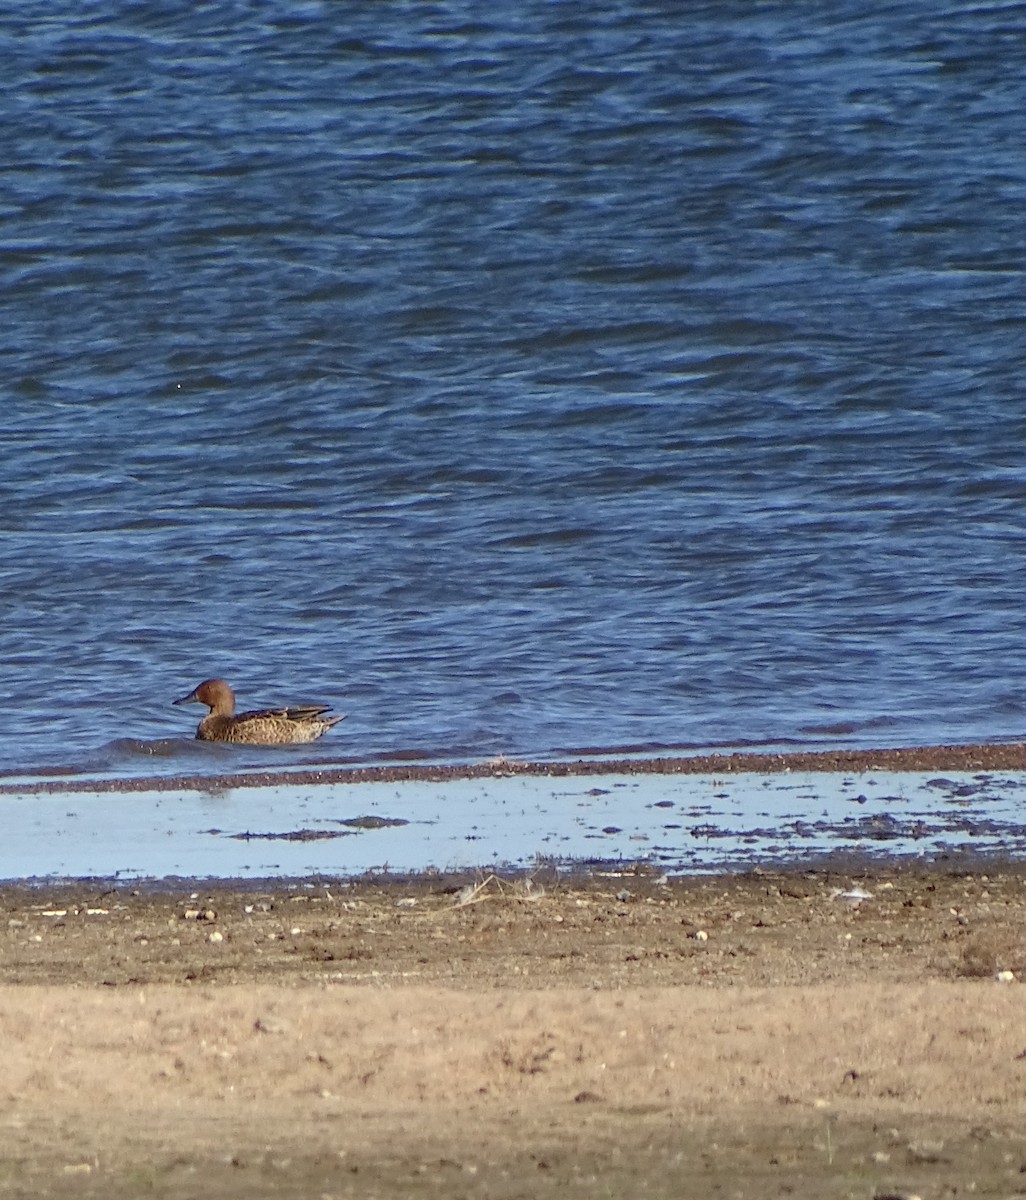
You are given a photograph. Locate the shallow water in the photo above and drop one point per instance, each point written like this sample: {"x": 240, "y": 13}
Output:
{"x": 673, "y": 824}
{"x": 516, "y": 380}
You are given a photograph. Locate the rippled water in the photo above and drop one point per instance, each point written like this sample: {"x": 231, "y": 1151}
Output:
{"x": 516, "y": 377}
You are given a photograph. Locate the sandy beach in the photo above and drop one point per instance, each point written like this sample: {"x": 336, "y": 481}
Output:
{"x": 804, "y": 1033}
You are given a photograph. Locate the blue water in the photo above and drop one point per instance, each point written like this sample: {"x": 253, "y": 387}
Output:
{"x": 518, "y": 377}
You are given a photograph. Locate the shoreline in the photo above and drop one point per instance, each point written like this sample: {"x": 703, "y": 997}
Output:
{"x": 1007, "y": 756}
{"x": 701, "y": 814}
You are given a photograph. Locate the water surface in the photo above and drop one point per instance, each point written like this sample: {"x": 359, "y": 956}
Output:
{"x": 518, "y": 378}
{"x": 669, "y": 824}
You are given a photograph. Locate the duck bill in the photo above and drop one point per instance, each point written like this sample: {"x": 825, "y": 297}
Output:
{"x": 192, "y": 698}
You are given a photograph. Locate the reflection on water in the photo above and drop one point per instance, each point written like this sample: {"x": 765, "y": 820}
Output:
{"x": 674, "y": 824}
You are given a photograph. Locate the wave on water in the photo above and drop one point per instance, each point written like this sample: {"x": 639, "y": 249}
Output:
{"x": 512, "y": 377}
{"x": 165, "y": 757}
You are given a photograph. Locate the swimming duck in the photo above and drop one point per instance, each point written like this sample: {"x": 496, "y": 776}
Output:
{"x": 263, "y": 727}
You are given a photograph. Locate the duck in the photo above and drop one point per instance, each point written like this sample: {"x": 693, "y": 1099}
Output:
{"x": 261, "y": 727}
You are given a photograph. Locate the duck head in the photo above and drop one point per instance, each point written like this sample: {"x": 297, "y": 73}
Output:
{"x": 215, "y": 694}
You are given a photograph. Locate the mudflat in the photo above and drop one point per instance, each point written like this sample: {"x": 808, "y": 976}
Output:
{"x": 849, "y": 1032}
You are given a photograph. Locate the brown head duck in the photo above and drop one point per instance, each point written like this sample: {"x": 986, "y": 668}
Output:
{"x": 262, "y": 727}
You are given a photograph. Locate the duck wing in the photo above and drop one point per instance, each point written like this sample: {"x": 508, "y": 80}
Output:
{"x": 300, "y": 712}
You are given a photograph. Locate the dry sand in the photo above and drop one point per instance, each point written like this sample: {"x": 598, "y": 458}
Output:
{"x": 615, "y": 1036}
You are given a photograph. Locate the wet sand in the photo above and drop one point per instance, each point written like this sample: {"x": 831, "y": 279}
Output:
{"x": 846, "y": 1031}
{"x": 1000, "y": 757}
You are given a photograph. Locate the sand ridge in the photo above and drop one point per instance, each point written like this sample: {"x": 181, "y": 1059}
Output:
{"x": 1009, "y": 756}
